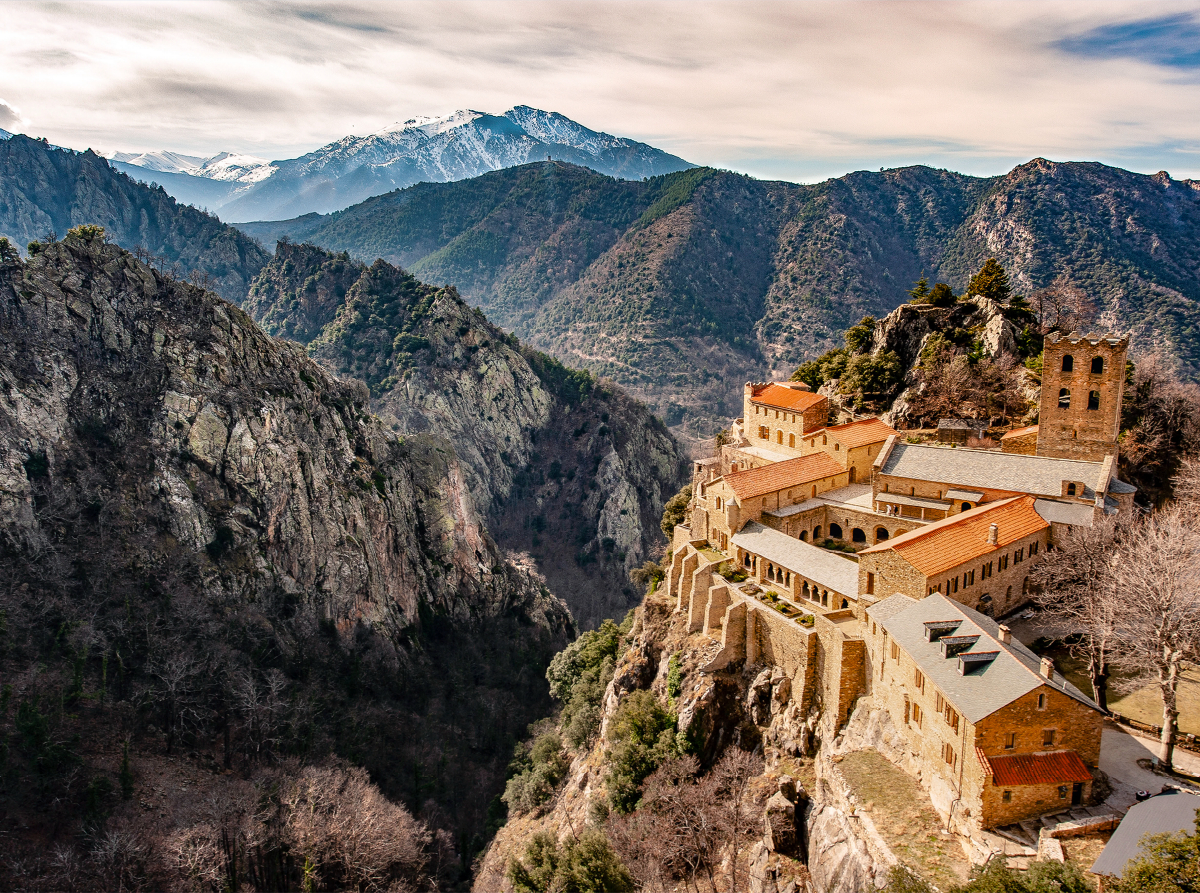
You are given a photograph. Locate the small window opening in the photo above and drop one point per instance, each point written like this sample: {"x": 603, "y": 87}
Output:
{"x": 1097, "y": 365}
{"x": 1093, "y": 400}
{"x": 1064, "y": 398}
{"x": 1068, "y": 364}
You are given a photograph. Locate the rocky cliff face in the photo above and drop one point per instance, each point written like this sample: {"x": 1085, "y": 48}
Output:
{"x": 209, "y": 545}
{"x": 226, "y": 437}
{"x": 562, "y": 466}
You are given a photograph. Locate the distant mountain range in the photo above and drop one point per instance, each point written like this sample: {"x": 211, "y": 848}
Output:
{"x": 457, "y": 147}
{"x": 685, "y": 286}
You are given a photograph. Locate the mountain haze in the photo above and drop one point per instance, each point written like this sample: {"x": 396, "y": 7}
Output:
{"x": 682, "y": 287}
{"x": 459, "y": 146}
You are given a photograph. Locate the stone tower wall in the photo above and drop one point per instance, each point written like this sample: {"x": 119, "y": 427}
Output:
{"x": 1078, "y": 431}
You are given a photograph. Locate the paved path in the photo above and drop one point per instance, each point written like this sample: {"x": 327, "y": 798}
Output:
{"x": 1119, "y": 753}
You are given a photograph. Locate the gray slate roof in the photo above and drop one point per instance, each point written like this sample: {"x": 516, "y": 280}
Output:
{"x": 821, "y": 566}
{"x": 984, "y": 689}
{"x": 1036, "y": 475}
{"x": 1072, "y": 513}
{"x": 918, "y": 501}
{"x": 1168, "y": 812}
{"x": 1116, "y": 485}
{"x": 970, "y": 495}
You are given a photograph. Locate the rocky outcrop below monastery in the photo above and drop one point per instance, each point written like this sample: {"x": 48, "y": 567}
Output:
{"x": 564, "y": 467}
{"x": 805, "y": 834}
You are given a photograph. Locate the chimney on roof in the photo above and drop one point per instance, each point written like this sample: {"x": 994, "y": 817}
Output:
{"x": 1005, "y": 634}
{"x": 1047, "y": 668}
{"x": 993, "y": 535}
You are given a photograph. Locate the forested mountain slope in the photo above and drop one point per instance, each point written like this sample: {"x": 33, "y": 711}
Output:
{"x": 569, "y": 469}
{"x": 215, "y": 558}
{"x": 684, "y": 286}
{"x": 46, "y": 190}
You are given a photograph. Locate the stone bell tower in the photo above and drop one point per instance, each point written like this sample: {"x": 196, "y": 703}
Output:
{"x": 1083, "y": 381}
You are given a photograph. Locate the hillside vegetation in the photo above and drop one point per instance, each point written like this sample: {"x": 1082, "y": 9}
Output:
{"x": 684, "y": 286}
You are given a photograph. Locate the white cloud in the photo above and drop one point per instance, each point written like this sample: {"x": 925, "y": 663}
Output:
{"x": 10, "y": 118}
{"x": 798, "y": 90}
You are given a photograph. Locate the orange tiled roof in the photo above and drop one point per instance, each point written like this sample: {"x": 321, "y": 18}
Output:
{"x": 963, "y": 537}
{"x": 1017, "y": 432}
{"x": 1056, "y": 767}
{"x": 862, "y": 432}
{"x": 781, "y": 475}
{"x": 779, "y": 396}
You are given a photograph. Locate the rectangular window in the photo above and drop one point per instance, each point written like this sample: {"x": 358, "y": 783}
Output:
{"x": 1047, "y": 737}
{"x": 1033, "y": 549}
{"x": 1019, "y": 556}
{"x": 972, "y": 576}
{"x": 948, "y": 755}
{"x": 988, "y": 569}
{"x": 763, "y": 433}
{"x": 1062, "y": 792}
{"x": 951, "y": 717}
{"x": 939, "y": 702}
{"x": 895, "y": 652}
{"x": 919, "y": 680}
{"x": 1010, "y": 740}
{"x": 916, "y": 713}
{"x": 955, "y": 584}
{"x": 1007, "y": 797}
{"x": 870, "y": 583}
{"x": 1041, "y": 702}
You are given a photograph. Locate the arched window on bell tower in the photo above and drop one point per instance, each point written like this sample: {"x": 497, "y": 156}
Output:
{"x": 1097, "y": 365}
{"x": 1068, "y": 364}
{"x": 1093, "y": 400}
{"x": 1064, "y": 394}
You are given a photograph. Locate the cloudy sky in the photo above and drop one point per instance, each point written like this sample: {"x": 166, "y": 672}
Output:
{"x": 798, "y": 91}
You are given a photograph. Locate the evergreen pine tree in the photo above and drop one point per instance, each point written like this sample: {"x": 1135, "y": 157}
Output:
{"x": 991, "y": 282}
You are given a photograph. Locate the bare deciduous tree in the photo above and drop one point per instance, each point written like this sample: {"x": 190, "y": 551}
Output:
{"x": 1156, "y": 583}
{"x": 738, "y": 813}
{"x": 1078, "y": 596}
{"x": 1062, "y": 307}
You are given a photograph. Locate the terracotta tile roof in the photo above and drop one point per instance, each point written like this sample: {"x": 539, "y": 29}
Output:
{"x": 960, "y": 538}
{"x": 1056, "y": 767}
{"x": 779, "y": 396}
{"x": 1019, "y": 432}
{"x": 860, "y": 433}
{"x": 781, "y": 475}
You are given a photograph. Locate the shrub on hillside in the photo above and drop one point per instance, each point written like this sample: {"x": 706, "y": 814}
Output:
{"x": 675, "y": 511}
{"x": 641, "y": 736}
{"x": 584, "y": 864}
{"x": 578, "y": 676}
{"x": 541, "y": 770}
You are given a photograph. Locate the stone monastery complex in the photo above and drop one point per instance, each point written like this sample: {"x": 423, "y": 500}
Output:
{"x": 944, "y": 539}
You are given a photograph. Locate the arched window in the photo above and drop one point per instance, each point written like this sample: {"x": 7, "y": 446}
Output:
{"x": 858, "y": 536}
{"x": 1070, "y": 489}
{"x": 853, "y": 474}
{"x": 1093, "y": 400}
{"x": 718, "y": 503}
{"x": 1097, "y": 365}
{"x": 1064, "y": 398}
{"x": 835, "y": 531}
{"x": 804, "y": 535}
{"x": 779, "y": 437}
{"x": 845, "y": 604}
{"x": 824, "y": 439}
{"x": 966, "y": 506}
{"x": 1068, "y": 363}
{"x": 1008, "y": 595}
{"x": 881, "y": 534}
{"x": 814, "y": 491}
{"x": 816, "y": 533}
{"x": 733, "y": 468}
{"x": 792, "y": 440}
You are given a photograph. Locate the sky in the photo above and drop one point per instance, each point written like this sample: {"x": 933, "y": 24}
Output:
{"x": 794, "y": 91}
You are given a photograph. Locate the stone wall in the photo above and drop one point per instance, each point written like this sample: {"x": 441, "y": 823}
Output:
{"x": 841, "y": 666}
{"x": 1020, "y": 444}
{"x": 804, "y": 525}
{"x": 1088, "y": 427}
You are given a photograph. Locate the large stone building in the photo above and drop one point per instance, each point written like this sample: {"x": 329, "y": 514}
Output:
{"x": 860, "y": 564}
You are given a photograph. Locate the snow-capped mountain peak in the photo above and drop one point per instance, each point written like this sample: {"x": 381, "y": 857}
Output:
{"x": 457, "y": 146}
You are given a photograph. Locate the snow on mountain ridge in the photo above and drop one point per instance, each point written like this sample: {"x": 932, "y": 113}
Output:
{"x": 457, "y": 146}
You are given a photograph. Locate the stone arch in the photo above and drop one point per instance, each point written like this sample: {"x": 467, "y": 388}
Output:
{"x": 985, "y": 605}
{"x": 1094, "y": 400}
{"x": 845, "y": 604}
{"x": 1068, "y": 363}
{"x": 1070, "y": 489}
{"x": 835, "y": 531}
{"x": 816, "y": 533}
{"x": 804, "y": 536}
{"x": 1097, "y": 365}
{"x": 853, "y": 474}
{"x": 1064, "y": 398}
{"x": 966, "y": 506}
{"x": 881, "y": 534}
{"x": 857, "y": 535}
{"x": 1008, "y": 595}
